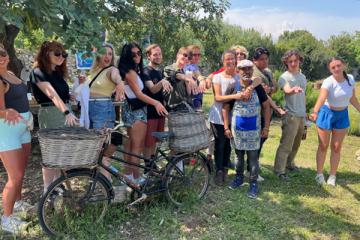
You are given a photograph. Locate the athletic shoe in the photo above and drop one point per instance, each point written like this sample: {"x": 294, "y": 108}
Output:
{"x": 13, "y": 224}
{"x": 237, "y": 182}
{"x": 253, "y": 190}
{"x": 283, "y": 177}
{"x": 320, "y": 179}
{"x": 260, "y": 178}
{"x": 331, "y": 180}
{"x": 22, "y": 207}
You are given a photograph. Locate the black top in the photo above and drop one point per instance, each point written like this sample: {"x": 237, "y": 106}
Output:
{"x": 151, "y": 74}
{"x": 259, "y": 91}
{"x": 16, "y": 97}
{"x": 179, "y": 93}
{"x": 56, "y": 81}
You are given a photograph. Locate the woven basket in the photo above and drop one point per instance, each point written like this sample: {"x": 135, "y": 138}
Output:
{"x": 70, "y": 147}
{"x": 189, "y": 131}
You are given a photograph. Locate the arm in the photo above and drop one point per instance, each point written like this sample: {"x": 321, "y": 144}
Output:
{"x": 291, "y": 90}
{"x": 267, "y": 116}
{"x": 155, "y": 88}
{"x": 115, "y": 77}
{"x": 354, "y": 101}
{"x": 130, "y": 78}
{"x": 10, "y": 115}
{"x": 225, "y": 114}
{"x": 276, "y": 107}
{"x": 319, "y": 102}
{"x": 226, "y": 98}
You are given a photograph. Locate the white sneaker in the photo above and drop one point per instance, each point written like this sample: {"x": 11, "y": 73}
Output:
{"x": 13, "y": 224}
{"x": 260, "y": 178}
{"x": 22, "y": 207}
{"x": 320, "y": 179}
{"x": 331, "y": 180}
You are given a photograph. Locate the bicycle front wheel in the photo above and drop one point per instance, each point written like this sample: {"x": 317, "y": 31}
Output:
{"x": 186, "y": 179}
{"x": 75, "y": 202}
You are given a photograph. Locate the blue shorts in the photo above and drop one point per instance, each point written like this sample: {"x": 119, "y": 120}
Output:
{"x": 101, "y": 114}
{"x": 330, "y": 119}
{"x": 129, "y": 117}
{"x": 198, "y": 100}
{"x": 13, "y": 136}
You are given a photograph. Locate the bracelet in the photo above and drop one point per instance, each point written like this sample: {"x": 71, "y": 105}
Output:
{"x": 267, "y": 129}
{"x": 226, "y": 129}
{"x": 66, "y": 112}
{"x": 314, "y": 113}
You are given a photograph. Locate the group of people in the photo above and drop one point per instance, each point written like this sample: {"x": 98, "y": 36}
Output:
{"x": 239, "y": 117}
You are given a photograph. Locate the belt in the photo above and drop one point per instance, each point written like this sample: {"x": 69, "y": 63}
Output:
{"x": 99, "y": 99}
{"x": 50, "y": 104}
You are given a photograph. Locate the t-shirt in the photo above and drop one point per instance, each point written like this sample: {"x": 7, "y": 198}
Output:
{"x": 179, "y": 93}
{"x": 294, "y": 103}
{"x": 218, "y": 71}
{"x": 215, "y": 115}
{"x": 155, "y": 76}
{"x": 265, "y": 75}
{"x": 339, "y": 92}
{"x": 56, "y": 81}
{"x": 192, "y": 67}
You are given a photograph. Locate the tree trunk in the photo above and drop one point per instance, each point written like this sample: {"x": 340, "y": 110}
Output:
{"x": 7, "y": 38}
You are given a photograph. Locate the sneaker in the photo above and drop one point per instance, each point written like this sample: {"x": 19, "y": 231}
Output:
{"x": 22, "y": 207}
{"x": 320, "y": 179}
{"x": 283, "y": 177}
{"x": 260, "y": 178}
{"x": 219, "y": 178}
{"x": 253, "y": 190}
{"x": 13, "y": 224}
{"x": 293, "y": 169}
{"x": 331, "y": 180}
{"x": 237, "y": 182}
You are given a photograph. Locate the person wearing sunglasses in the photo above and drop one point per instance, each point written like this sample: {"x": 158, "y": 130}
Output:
{"x": 184, "y": 86}
{"x": 15, "y": 143}
{"x": 51, "y": 91}
{"x": 135, "y": 108}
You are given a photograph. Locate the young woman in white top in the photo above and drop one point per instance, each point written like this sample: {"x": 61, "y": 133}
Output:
{"x": 332, "y": 118}
{"x": 134, "y": 110}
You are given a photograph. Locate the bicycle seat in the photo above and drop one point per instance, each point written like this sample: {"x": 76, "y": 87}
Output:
{"x": 161, "y": 135}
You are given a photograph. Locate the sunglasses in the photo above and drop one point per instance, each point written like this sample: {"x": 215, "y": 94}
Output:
{"x": 240, "y": 53}
{"x": 3, "y": 53}
{"x": 196, "y": 54}
{"x": 185, "y": 55}
{"x": 136, "y": 54}
{"x": 60, "y": 53}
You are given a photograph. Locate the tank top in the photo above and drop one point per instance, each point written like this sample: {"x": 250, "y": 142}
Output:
{"x": 102, "y": 85}
{"x": 16, "y": 97}
{"x": 129, "y": 92}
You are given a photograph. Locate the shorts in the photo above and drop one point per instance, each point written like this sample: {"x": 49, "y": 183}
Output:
{"x": 51, "y": 117}
{"x": 330, "y": 119}
{"x": 101, "y": 114}
{"x": 13, "y": 136}
{"x": 153, "y": 125}
{"x": 129, "y": 117}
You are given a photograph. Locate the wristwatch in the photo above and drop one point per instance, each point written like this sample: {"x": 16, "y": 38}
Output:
{"x": 66, "y": 112}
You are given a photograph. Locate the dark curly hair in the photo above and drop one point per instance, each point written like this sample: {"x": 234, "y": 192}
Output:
{"x": 289, "y": 54}
{"x": 126, "y": 62}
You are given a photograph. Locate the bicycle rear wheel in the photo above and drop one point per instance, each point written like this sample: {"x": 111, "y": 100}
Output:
{"x": 186, "y": 179}
{"x": 75, "y": 202}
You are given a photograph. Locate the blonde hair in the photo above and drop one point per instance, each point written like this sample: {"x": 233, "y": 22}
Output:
{"x": 192, "y": 47}
{"x": 150, "y": 48}
{"x": 241, "y": 48}
{"x": 96, "y": 63}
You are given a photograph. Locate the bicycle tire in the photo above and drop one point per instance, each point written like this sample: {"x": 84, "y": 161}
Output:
{"x": 72, "y": 199}
{"x": 189, "y": 183}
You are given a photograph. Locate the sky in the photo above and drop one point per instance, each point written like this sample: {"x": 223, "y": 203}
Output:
{"x": 322, "y": 18}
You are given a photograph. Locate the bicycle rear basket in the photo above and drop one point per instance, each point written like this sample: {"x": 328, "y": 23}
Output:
{"x": 70, "y": 147}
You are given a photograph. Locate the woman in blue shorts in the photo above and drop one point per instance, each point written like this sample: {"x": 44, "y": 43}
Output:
{"x": 15, "y": 142}
{"x": 332, "y": 117}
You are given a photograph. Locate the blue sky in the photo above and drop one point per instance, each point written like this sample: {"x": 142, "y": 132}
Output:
{"x": 323, "y": 18}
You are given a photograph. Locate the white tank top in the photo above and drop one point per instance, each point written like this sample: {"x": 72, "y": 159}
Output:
{"x": 129, "y": 92}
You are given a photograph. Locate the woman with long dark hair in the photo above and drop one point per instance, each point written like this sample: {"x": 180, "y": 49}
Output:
{"x": 134, "y": 110}
{"x": 332, "y": 117}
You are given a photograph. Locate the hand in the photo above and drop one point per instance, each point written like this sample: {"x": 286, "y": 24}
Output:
{"x": 281, "y": 111}
{"x": 265, "y": 133}
{"x": 72, "y": 97}
{"x": 228, "y": 133}
{"x": 202, "y": 86}
{"x": 297, "y": 89}
{"x": 313, "y": 116}
{"x": 160, "y": 109}
{"x": 12, "y": 117}
{"x": 266, "y": 88}
{"x": 71, "y": 120}
{"x": 119, "y": 92}
{"x": 193, "y": 87}
{"x": 166, "y": 86}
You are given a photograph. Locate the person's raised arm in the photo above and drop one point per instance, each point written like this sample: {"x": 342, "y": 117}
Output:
{"x": 225, "y": 98}
{"x": 225, "y": 115}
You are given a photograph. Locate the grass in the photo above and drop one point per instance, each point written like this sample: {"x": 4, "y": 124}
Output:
{"x": 298, "y": 209}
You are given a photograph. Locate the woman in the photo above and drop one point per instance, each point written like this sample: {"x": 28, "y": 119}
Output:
{"x": 221, "y": 83}
{"x": 134, "y": 110}
{"x": 245, "y": 129}
{"x": 104, "y": 80}
{"x": 15, "y": 142}
{"x": 331, "y": 115}
{"x": 51, "y": 91}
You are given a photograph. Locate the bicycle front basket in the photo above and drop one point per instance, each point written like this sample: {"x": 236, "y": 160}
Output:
{"x": 70, "y": 147}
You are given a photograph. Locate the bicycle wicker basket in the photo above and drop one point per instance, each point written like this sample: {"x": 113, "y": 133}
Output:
{"x": 70, "y": 147}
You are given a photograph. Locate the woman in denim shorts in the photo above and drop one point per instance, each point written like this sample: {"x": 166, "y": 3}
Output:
{"x": 134, "y": 111}
{"x": 332, "y": 118}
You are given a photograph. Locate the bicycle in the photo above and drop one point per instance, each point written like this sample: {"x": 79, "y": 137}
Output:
{"x": 82, "y": 195}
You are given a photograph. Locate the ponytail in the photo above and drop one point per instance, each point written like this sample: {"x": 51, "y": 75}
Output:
{"x": 347, "y": 78}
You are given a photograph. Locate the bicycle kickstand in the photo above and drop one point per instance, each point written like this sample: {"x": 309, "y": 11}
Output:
{"x": 140, "y": 199}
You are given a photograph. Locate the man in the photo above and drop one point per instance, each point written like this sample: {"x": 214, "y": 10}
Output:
{"x": 155, "y": 85}
{"x": 293, "y": 83}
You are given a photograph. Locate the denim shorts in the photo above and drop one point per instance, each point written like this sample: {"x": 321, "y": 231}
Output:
{"x": 129, "y": 117}
{"x": 101, "y": 114}
{"x": 330, "y": 119}
{"x": 13, "y": 136}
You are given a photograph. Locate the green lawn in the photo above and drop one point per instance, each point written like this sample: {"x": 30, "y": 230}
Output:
{"x": 298, "y": 209}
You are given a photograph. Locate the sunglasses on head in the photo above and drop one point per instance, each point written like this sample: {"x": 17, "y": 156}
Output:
{"x": 60, "y": 53}
{"x": 136, "y": 54}
{"x": 3, "y": 53}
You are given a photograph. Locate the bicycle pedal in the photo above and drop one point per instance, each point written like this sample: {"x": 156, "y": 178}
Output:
{"x": 141, "y": 199}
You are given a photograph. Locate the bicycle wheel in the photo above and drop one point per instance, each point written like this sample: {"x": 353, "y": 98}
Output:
{"x": 186, "y": 179}
{"x": 75, "y": 202}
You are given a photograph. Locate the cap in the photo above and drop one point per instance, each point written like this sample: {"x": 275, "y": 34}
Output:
{"x": 245, "y": 63}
